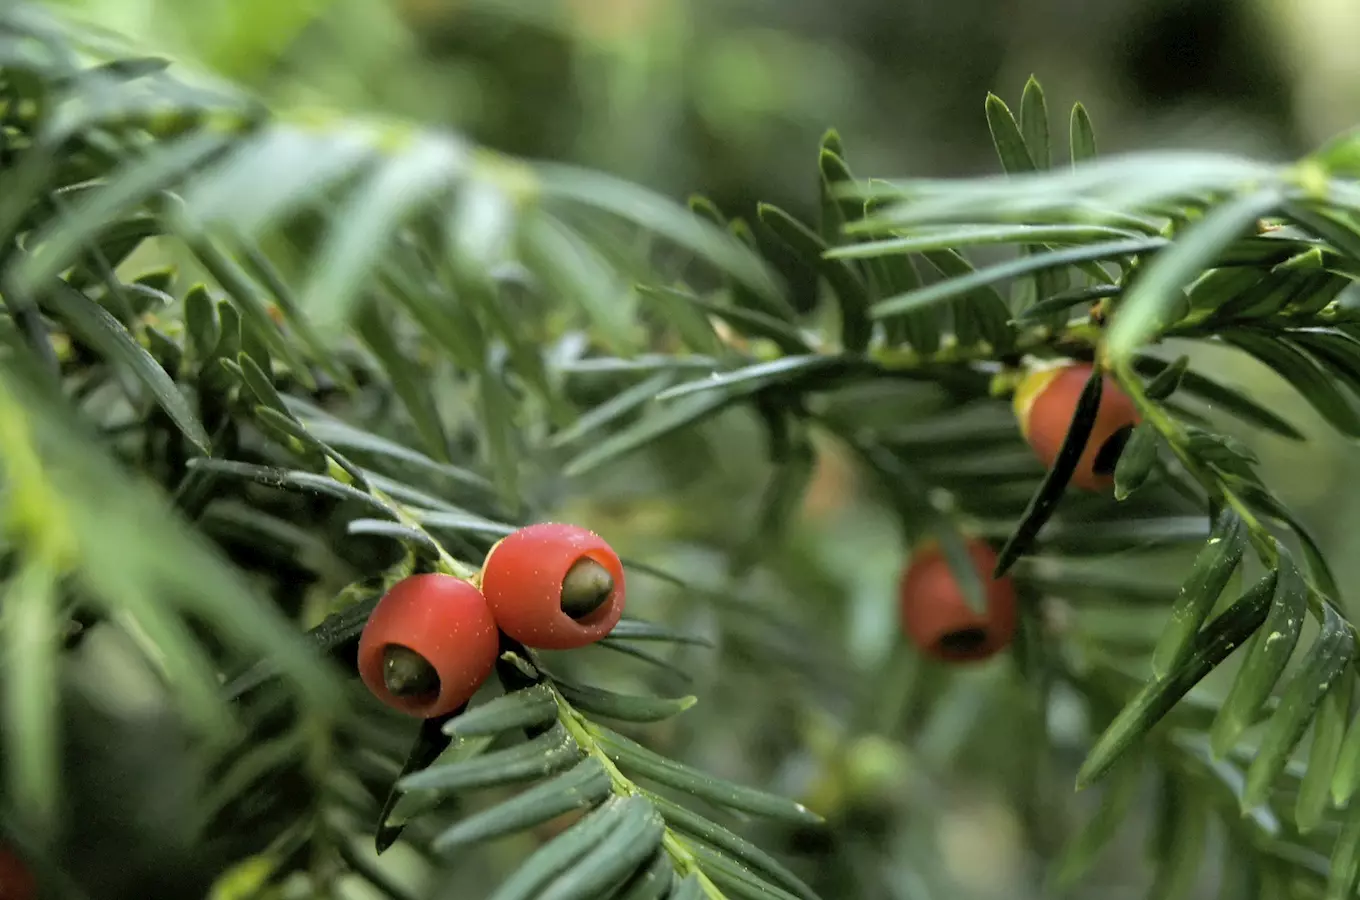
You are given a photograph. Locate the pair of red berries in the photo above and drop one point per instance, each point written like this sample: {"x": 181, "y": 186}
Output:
{"x": 934, "y": 611}
{"x": 433, "y": 639}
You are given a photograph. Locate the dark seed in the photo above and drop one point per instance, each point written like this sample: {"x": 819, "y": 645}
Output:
{"x": 1108, "y": 455}
{"x": 965, "y": 640}
{"x": 408, "y": 674}
{"x": 586, "y": 586}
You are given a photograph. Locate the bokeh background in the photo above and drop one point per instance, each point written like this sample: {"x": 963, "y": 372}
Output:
{"x": 729, "y": 98}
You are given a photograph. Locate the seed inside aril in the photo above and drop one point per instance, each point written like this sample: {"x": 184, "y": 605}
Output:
{"x": 408, "y": 674}
{"x": 586, "y": 586}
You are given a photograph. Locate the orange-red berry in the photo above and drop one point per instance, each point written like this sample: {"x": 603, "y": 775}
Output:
{"x": 16, "y": 881}
{"x": 554, "y": 587}
{"x": 935, "y": 612}
{"x": 1044, "y": 404}
{"x": 429, "y": 645}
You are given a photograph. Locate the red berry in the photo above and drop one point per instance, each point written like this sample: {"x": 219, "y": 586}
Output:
{"x": 1044, "y": 404}
{"x": 555, "y": 587}
{"x": 16, "y": 881}
{"x": 936, "y": 615}
{"x": 429, "y": 645}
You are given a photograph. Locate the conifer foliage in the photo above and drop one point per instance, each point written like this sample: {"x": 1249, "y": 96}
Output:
{"x": 192, "y": 455}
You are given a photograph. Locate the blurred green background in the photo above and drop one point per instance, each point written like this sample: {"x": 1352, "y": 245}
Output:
{"x": 729, "y": 98}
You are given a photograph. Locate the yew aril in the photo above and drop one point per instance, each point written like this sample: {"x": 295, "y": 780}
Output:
{"x": 1044, "y": 404}
{"x": 935, "y": 612}
{"x": 428, "y": 646}
{"x": 553, "y": 586}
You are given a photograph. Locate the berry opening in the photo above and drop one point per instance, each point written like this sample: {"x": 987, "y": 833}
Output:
{"x": 409, "y": 675}
{"x": 1108, "y": 455}
{"x": 963, "y": 641}
{"x": 585, "y": 588}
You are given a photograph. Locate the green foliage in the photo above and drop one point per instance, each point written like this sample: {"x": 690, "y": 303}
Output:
{"x": 263, "y": 408}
